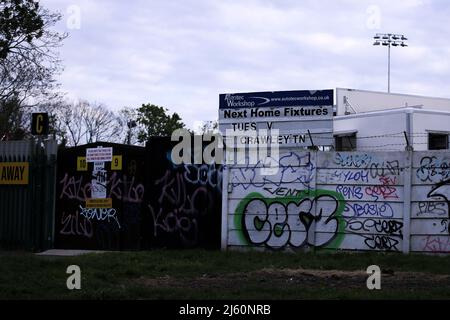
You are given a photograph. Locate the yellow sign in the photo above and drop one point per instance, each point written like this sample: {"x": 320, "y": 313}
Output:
{"x": 39, "y": 120}
{"x": 116, "y": 163}
{"x": 99, "y": 203}
{"x": 39, "y": 124}
{"x": 81, "y": 164}
{"x": 14, "y": 172}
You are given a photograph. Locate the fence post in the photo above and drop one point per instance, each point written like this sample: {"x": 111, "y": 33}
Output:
{"x": 313, "y": 161}
{"x": 39, "y": 206}
{"x": 50, "y": 187}
{"x": 407, "y": 181}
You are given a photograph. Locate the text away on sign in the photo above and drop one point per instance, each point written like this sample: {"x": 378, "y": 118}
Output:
{"x": 14, "y": 172}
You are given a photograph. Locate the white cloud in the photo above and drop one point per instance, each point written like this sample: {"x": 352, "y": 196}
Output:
{"x": 182, "y": 54}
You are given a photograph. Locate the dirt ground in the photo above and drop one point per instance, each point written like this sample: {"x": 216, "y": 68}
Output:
{"x": 304, "y": 278}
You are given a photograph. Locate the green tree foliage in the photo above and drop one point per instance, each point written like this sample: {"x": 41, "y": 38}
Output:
{"x": 12, "y": 120}
{"x": 20, "y": 23}
{"x": 29, "y": 62}
{"x": 156, "y": 121}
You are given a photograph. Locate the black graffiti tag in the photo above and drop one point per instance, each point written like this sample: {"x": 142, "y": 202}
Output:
{"x": 277, "y": 225}
{"x": 387, "y": 226}
{"x": 180, "y": 204}
{"x": 442, "y": 189}
{"x": 381, "y": 242}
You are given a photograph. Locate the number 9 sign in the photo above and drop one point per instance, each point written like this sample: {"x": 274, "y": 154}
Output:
{"x": 116, "y": 163}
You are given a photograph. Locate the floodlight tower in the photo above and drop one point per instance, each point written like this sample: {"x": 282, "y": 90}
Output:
{"x": 388, "y": 40}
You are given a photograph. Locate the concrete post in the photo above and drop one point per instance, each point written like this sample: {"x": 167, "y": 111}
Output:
{"x": 407, "y": 202}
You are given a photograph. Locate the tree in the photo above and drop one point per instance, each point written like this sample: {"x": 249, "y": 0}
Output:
{"x": 128, "y": 117}
{"x": 28, "y": 60}
{"x": 156, "y": 121}
{"x": 84, "y": 122}
{"x": 209, "y": 126}
{"x": 20, "y": 23}
{"x": 12, "y": 120}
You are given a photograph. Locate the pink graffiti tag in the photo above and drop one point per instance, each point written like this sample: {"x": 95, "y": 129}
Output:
{"x": 75, "y": 225}
{"x": 74, "y": 189}
{"x": 386, "y": 190}
{"x": 436, "y": 244}
{"x": 132, "y": 192}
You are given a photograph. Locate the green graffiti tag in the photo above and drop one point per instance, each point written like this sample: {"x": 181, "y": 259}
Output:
{"x": 286, "y": 221}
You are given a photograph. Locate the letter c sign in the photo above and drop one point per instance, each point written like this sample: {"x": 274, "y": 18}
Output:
{"x": 39, "y": 124}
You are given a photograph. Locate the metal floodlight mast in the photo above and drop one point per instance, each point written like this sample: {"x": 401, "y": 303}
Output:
{"x": 388, "y": 40}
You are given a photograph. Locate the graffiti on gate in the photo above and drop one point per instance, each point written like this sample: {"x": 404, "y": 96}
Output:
{"x": 102, "y": 228}
{"x": 120, "y": 187}
{"x": 74, "y": 188}
{"x": 125, "y": 188}
{"x": 76, "y": 225}
{"x": 100, "y": 214}
{"x": 184, "y": 197}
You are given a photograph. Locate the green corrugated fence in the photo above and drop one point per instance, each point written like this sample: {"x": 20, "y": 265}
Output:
{"x": 27, "y": 209}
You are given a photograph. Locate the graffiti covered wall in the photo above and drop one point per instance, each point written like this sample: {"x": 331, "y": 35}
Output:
{"x": 384, "y": 201}
{"x": 110, "y": 226}
{"x": 138, "y": 200}
{"x": 430, "y": 196}
{"x": 372, "y": 188}
{"x": 183, "y": 202}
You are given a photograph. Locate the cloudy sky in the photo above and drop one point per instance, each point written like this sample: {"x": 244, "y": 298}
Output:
{"x": 182, "y": 54}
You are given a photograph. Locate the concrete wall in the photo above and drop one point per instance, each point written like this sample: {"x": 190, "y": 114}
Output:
{"x": 380, "y": 201}
{"x": 430, "y": 196}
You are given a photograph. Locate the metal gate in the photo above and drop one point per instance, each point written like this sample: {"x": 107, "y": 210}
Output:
{"x": 153, "y": 202}
{"x": 27, "y": 175}
{"x": 88, "y": 217}
{"x": 183, "y": 201}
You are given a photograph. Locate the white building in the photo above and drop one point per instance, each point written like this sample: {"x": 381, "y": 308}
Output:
{"x": 369, "y": 120}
